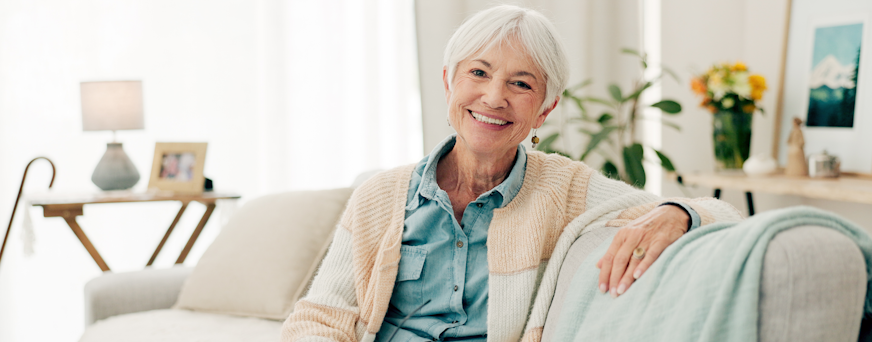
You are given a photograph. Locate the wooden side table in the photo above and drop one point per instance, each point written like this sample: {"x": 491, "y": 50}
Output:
{"x": 69, "y": 207}
{"x": 848, "y": 188}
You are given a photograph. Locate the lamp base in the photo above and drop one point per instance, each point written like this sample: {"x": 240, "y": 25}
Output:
{"x": 115, "y": 171}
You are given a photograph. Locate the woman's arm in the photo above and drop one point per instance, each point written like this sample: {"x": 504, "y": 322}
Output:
{"x": 650, "y": 227}
{"x": 329, "y": 312}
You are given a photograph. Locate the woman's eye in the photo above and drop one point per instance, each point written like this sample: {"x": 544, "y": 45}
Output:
{"x": 522, "y": 85}
{"x": 479, "y": 73}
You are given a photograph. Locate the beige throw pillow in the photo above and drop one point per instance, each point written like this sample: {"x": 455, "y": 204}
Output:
{"x": 264, "y": 257}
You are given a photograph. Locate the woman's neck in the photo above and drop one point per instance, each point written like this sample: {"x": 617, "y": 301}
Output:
{"x": 462, "y": 172}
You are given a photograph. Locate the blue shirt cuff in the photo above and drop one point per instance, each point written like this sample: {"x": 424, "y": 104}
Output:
{"x": 694, "y": 216}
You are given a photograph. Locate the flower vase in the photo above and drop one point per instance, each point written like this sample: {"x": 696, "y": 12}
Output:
{"x": 732, "y": 140}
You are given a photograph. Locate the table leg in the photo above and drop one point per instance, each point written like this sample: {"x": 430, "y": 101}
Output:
{"x": 71, "y": 221}
{"x": 750, "y": 199}
{"x": 717, "y": 193}
{"x": 167, "y": 235}
{"x": 209, "y": 208}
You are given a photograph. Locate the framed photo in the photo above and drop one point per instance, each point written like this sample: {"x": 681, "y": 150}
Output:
{"x": 178, "y": 167}
{"x": 827, "y": 81}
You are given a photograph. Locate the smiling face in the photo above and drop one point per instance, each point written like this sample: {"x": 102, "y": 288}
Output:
{"x": 495, "y": 100}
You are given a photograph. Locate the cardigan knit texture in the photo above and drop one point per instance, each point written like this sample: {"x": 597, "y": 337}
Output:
{"x": 527, "y": 241}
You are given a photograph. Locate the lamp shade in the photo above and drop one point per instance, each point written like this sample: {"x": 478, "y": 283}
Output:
{"x": 112, "y": 105}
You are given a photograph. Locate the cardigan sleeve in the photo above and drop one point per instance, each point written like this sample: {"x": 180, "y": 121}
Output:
{"x": 329, "y": 312}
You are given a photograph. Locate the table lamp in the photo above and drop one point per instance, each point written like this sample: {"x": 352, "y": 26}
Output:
{"x": 112, "y": 106}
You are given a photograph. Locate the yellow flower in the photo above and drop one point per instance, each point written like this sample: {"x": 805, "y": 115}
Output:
{"x": 757, "y": 82}
{"x": 749, "y": 108}
{"x": 739, "y": 66}
{"x": 756, "y": 94}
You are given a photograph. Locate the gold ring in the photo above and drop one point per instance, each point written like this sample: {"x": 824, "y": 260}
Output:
{"x": 639, "y": 253}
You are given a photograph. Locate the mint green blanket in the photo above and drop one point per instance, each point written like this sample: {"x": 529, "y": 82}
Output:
{"x": 704, "y": 287}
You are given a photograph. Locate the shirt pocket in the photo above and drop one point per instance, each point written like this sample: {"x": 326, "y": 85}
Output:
{"x": 411, "y": 263}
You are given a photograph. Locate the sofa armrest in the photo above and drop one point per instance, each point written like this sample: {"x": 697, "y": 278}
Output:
{"x": 120, "y": 293}
{"x": 812, "y": 286}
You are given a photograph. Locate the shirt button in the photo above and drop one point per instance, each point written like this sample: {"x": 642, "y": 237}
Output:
{"x": 455, "y": 288}
{"x": 459, "y": 244}
{"x": 479, "y": 205}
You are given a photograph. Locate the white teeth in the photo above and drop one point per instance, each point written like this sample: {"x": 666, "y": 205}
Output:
{"x": 485, "y": 119}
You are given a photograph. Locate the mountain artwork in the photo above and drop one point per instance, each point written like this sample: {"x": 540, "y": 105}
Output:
{"x": 833, "y": 81}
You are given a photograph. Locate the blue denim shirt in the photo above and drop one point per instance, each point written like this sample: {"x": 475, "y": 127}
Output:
{"x": 443, "y": 261}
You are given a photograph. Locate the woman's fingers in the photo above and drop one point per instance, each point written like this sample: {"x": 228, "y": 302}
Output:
{"x": 605, "y": 263}
{"x": 622, "y": 260}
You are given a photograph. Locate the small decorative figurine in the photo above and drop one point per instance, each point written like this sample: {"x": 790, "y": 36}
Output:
{"x": 796, "y": 165}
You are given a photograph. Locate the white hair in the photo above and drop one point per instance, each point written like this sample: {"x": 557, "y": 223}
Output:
{"x": 502, "y": 24}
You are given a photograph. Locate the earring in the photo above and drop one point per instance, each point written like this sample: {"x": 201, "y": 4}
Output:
{"x": 535, "y": 139}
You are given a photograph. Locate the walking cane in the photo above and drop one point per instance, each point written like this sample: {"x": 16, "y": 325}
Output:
{"x": 20, "y": 189}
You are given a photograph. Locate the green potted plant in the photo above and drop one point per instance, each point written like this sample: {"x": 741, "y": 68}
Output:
{"x": 612, "y": 134}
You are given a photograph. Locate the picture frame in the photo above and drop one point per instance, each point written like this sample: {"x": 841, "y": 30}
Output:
{"x": 178, "y": 167}
{"x": 827, "y": 81}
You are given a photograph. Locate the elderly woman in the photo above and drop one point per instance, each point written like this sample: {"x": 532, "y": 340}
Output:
{"x": 455, "y": 247}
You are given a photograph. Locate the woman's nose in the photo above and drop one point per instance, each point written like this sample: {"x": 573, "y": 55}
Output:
{"x": 494, "y": 95}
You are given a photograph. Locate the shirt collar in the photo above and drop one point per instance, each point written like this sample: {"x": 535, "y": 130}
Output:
{"x": 508, "y": 189}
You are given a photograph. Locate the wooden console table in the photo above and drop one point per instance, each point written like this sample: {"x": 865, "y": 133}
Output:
{"x": 848, "y": 188}
{"x": 68, "y": 207}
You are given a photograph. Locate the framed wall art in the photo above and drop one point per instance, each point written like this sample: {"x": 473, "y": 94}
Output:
{"x": 827, "y": 81}
{"x": 178, "y": 167}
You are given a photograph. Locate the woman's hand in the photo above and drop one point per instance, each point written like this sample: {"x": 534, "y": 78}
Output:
{"x": 653, "y": 232}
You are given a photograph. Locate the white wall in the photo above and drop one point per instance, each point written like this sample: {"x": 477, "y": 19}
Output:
{"x": 697, "y": 34}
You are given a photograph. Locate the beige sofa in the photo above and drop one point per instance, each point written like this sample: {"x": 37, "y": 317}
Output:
{"x": 813, "y": 288}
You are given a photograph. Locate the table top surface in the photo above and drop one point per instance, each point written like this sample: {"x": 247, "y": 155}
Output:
{"x": 847, "y": 188}
{"x": 48, "y": 199}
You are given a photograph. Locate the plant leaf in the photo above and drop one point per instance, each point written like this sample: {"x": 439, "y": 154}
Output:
{"x": 610, "y": 170}
{"x": 665, "y": 162}
{"x": 631, "y": 52}
{"x": 605, "y": 118}
{"x": 598, "y": 100}
{"x": 638, "y": 91}
{"x": 670, "y": 73}
{"x": 583, "y": 84}
{"x": 545, "y": 144}
{"x": 615, "y": 91}
{"x": 668, "y": 106}
{"x": 633, "y": 155}
{"x": 671, "y": 124}
{"x": 596, "y": 139}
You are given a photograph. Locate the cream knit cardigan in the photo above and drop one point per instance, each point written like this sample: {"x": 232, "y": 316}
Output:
{"x": 559, "y": 200}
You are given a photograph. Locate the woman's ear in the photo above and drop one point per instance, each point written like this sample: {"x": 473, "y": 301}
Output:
{"x": 541, "y": 118}
{"x": 445, "y": 83}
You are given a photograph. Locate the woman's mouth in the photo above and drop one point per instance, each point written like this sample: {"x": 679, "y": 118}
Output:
{"x": 481, "y": 118}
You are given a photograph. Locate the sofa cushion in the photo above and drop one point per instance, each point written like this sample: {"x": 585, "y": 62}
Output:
{"x": 181, "y": 325}
{"x": 263, "y": 258}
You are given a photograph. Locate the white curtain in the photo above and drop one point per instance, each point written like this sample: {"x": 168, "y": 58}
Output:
{"x": 340, "y": 90}
{"x": 289, "y": 95}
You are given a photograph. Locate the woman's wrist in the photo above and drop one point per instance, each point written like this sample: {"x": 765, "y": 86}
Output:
{"x": 693, "y": 219}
